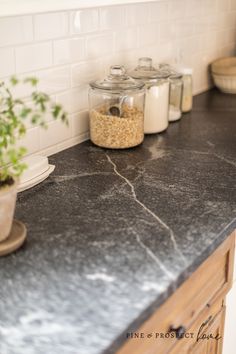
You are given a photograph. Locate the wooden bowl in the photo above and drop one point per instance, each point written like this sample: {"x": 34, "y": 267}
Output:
{"x": 224, "y": 74}
{"x": 224, "y": 66}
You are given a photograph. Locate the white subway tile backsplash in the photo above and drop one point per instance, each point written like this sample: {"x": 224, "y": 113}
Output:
{"x": 201, "y": 25}
{"x": 223, "y": 21}
{"x": 47, "y": 116}
{"x": 228, "y": 50}
{"x": 209, "y": 7}
{"x": 167, "y": 32}
{"x": 213, "y": 23}
{"x": 84, "y": 21}
{"x": 85, "y": 72}
{"x": 232, "y": 20}
{"x": 16, "y": 30}
{"x": 55, "y": 133}
{"x": 74, "y": 100}
{"x": 209, "y": 41}
{"x": 136, "y": 15}
{"x": 233, "y": 5}
{"x": 51, "y": 25}
{"x": 126, "y": 39}
{"x": 66, "y": 50}
{"x": 184, "y": 27}
{"x": 177, "y": 9}
{"x": 7, "y": 62}
{"x": 231, "y": 37}
{"x": 112, "y": 17}
{"x": 148, "y": 34}
{"x": 31, "y": 140}
{"x": 54, "y": 80}
{"x": 223, "y": 5}
{"x": 69, "y": 142}
{"x": 98, "y": 46}
{"x": 158, "y": 11}
{"x": 33, "y": 57}
{"x": 165, "y": 53}
{"x": 194, "y": 8}
{"x": 222, "y": 38}
{"x": 80, "y": 123}
{"x": 21, "y": 90}
{"x": 189, "y": 46}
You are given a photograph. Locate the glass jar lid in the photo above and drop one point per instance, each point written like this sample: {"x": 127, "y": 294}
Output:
{"x": 176, "y": 76}
{"x": 145, "y": 71}
{"x": 167, "y": 68}
{"x": 117, "y": 80}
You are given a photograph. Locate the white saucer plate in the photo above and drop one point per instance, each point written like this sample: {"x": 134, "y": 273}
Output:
{"x": 33, "y": 182}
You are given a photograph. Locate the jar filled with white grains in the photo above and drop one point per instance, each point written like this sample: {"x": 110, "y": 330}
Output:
{"x": 176, "y": 88}
{"x": 187, "y": 96}
{"x": 157, "y": 95}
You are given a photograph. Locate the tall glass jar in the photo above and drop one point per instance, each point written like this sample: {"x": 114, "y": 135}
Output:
{"x": 116, "y": 110}
{"x": 157, "y": 95}
{"x": 176, "y": 88}
{"x": 187, "y": 99}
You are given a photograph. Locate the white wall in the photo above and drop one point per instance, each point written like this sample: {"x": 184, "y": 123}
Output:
{"x": 22, "y": 7}
{"x": 69, "y": 48}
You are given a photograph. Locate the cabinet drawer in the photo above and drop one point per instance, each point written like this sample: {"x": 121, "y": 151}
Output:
{"x": 210, "y": 282}
{"x": 210, "y": 322}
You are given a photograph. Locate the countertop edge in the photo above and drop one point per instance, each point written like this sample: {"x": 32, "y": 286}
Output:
{"x": 225, "y": 233}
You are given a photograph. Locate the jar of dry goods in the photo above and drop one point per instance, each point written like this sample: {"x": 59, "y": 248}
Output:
{"x": 116, "y": 110}
{"x": 157, "y": 95}
{"x": 176, "y": 88}
{"x": 187, "y": 96}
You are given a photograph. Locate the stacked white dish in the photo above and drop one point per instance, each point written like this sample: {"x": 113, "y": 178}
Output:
{"x": 38, "y": 170}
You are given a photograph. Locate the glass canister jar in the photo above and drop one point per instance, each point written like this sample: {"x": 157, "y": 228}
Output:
{"x": 116, "y": 110}
{"x": 157, "y": 95}
{"x": 187, "y": 96}
{"x": 176, "y": 88}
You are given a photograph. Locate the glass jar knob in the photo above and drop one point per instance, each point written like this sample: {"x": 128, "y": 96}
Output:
{"x": 117, "y": 70}
{"x": 145, "y": 62}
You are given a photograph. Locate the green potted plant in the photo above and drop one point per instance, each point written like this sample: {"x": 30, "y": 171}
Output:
{"x": 14, "y": 113}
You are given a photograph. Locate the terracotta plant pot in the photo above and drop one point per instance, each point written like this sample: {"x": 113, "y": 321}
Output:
{"x": 7, "y": 209}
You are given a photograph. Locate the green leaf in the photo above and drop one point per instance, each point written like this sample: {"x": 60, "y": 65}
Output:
{"x": 14, "y": 81}
{"x": 31, "y": 80}
{"x": 25, "y": 112}
{"x": 13, "y": 114}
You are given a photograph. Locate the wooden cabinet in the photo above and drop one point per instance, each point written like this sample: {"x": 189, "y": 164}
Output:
{"x": 207, "y": 333}
{"x": 216, "y": 328}
{"x": 191, "y": 321}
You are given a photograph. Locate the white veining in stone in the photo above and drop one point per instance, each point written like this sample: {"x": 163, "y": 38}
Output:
{"x": 59, "y": 179}
{"x": 147, "y": 209}
{"x": 210, "y": 143}
{"x": 36, "y": 326}
{"x": 100, "y": 276}
{"x": 228, "y": 225}
{"x": 153, "y": 256}
{"x": 149, "y": 286}
{"x": 32, "y": 317}
{"x": 103, "y": 244}
{"x": 156, "y": 153}
{"x": 233, "y": 163}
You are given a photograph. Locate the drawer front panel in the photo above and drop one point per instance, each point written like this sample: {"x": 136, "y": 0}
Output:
{"x": 209, "y": 283}
{"x": 209, "y": 324}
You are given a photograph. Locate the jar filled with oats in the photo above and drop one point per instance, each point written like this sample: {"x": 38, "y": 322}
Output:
{"x": 116, "y": 110}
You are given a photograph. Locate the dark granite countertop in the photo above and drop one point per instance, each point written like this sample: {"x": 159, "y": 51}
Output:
{"x": 112, "y": 234}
